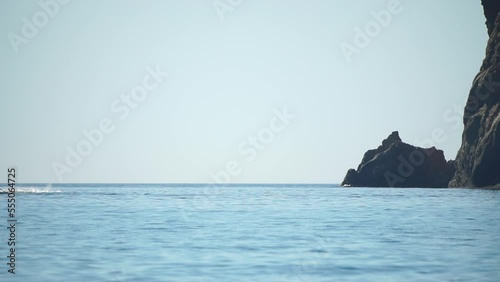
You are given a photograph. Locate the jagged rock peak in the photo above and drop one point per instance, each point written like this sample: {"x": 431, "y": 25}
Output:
{"x": 392, "y": 138}
{"x": 398, "y": 164}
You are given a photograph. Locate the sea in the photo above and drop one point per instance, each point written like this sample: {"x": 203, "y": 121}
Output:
{"x": 249, "y": 232}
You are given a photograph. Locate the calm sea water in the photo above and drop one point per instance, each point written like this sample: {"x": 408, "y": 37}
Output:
{"x": 252, "y": 233}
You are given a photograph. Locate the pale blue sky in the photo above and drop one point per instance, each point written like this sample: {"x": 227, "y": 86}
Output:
{"x": 226, "y": 77}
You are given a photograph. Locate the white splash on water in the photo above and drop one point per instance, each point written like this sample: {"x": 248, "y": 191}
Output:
{"x": 32, "y": 190}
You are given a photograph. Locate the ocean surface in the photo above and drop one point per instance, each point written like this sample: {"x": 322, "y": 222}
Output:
{"x": 251, "y": 233}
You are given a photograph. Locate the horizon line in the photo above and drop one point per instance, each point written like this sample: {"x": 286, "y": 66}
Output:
{"x": 180, "y": 183}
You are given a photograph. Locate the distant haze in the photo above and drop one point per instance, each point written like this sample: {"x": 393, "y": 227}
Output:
{"x": 258, "y": 91}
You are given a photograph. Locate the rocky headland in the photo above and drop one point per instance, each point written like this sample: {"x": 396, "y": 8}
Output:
{"x": 477, "y": 165}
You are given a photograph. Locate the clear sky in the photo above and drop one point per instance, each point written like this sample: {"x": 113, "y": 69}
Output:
{"x": 233, "y": 67}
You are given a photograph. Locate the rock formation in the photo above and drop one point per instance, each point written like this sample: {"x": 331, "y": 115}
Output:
{"x": 478, "y": 160}
{"x": 397, "y": 164}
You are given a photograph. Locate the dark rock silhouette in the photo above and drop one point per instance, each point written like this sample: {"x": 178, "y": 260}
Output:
{"x": 478, "y": 159}
{"x": 398, "y": 164}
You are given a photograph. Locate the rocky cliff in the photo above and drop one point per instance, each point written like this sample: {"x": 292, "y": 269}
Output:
{"x": 398, "y": 164}
{"x": 478, "y": 160}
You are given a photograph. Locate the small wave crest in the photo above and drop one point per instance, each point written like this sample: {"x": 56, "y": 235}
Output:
{"x": 32, "y": 190}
